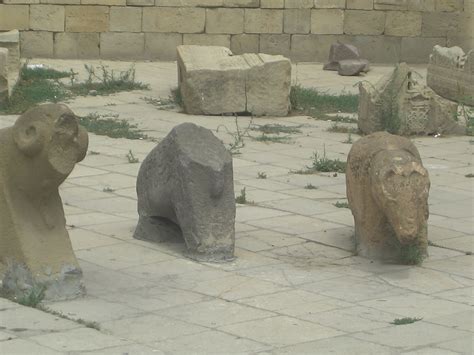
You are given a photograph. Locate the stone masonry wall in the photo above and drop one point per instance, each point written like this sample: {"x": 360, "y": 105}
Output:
{"x": 384, "y": 30}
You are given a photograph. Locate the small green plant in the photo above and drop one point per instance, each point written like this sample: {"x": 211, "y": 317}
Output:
{"x": 93, "y": 152}
{"x": 341, "y": 204}
{"x": 271, "y": 138}
{"x": 131, "y": 158}
{"x": 238, "y": 136}
{"x": 349, "y": 138}
{"x": 27, "y": 73}
{"x": 172, "y": 101}
{"x": 470, "y": 175}
{"x": 33, "y": 296}
{"x": 276, "y": 129}
{"x": 109, "y": 126}
{"x": 310, "y": 186}
{"x": 405, "y": 320}
{"x": 338, "y": 118}
{"x": 323, "y": 164}
{"x": 336, "y": 128}
{"x": 242, "y": 198}
{"x": 411, "y": 254}
{"x": 261, "y": 175}
{"x": 108, "y": 189}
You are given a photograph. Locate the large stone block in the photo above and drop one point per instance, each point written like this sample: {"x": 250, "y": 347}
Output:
{"x": 125, "y": 19}
{"x": 170, "y": 19}
{"x": 327, "y": 21}
{"x": 421, "y": 5}
{"x": 190, "y": 3}
{"x": 397, "y": 103}
{"x": 450, "y": 5}
{"x": 241, "y": 3}
{"x": 11, "y": 41}
{"x": 263, "y": 21}
{"x": 122, "y": 45}
{"x": 14, "y": 17}
{"x": 47, "y": 18}
{"x": 214, "y": 81}
{"x": 299, "y": 4}
{"x": 202, "y": 39}
{"x": 140, "y": 2}
{"x": 297, "y": 21}
{"x": 87, "y": 18}
{"x": 38, "y": 153}
{"x": 162, "y": 46}
{"x": 398, "y": 23}
{"x": 104, "y": 2}
{"x": 387, "y": 190}
{"x": 377, "y": 49}
{"x": 36, "y": 44}
{"x": 225, "y": 21}
{"x": 330, "y": 4}
{"x": 451, "y": 74}
{"x": 439, "y": 24}
{"x": 391, "y": 5}
{"x": 4, "y": 87}
{"x": 245, "y": 43}
{"x": 360, "y": 22}
{"x": 360, "y": 4}
{"x": 272, "y": 4}
{"x": 418, "y": 49}
{"x": 275, "y": 44}
{"x": 73, "y": 45}
{"x": 185, "y": 188}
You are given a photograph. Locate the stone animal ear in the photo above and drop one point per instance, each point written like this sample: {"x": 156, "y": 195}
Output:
{"x": 28, "y": 138}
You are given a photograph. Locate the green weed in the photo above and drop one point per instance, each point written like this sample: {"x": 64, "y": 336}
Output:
{"x": 131, "y": 158}
{"x": 470, "y": 175}
{"x": 310, "y": 187}
{"x": 242, "y": 198}
{"x": 276, "y": 129}
{"x": 29, "y": 74}
{"x": 88, "y": 324}
{"x": 341, "y": 204}
{"x": 270, "y": 138}
{"x": 261, "y": 175}
{"x": 341, "y": 129}
{"x": 349, "y": 138}
{"x": 323, "y": 164}
{"x": 111, "y": 127}
{"x": 411, "y": 254}
{"x": 108, "y": 189}
{"x": 405, "y": 320}
{"x": 32, "y": 297}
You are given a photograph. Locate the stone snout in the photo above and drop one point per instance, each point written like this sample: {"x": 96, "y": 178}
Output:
{"x": 185, "y": 189}
{"x": 38, "y": 153}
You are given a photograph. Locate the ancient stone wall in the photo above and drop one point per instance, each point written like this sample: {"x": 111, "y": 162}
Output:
{"x": 384, "y": 30}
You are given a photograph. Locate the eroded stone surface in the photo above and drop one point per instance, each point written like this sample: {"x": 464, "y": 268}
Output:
{"x": 38, "y": 152}
{"x": 214, "y": 81}
{"x": 399, "y": 104}
{"x": 451, "y": 74}
{"x": 387, "y": 190}
{"x": 187, "y": 181}
{"x": 345, "y": 58}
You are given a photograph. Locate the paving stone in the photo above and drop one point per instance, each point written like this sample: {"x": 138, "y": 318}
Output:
{"x": 23, "y": 346}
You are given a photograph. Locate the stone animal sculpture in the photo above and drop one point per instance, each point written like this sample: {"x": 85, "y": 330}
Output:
{"x": 387, "y": 189}
{"x": 187, "y": 181}
{"x": 37, "y": 154}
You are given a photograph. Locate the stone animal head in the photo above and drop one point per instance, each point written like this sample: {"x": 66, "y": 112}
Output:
{"x": 400, "y": 186}
{"x": 50, "y": 137}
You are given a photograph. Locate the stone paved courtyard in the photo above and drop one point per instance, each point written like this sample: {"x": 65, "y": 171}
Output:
{"x": 295, "y": 286}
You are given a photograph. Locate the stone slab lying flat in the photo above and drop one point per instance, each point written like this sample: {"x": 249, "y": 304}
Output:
{"x": 213, "y": 81}
{"x": 451, "y": 74}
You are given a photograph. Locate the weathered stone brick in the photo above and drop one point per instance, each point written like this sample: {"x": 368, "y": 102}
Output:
{"x": 297, "y": 21}
{"x": 360, "y": 4}
{"x": 450, "y": 5}
{"x": 225, "y": 21}
{"x": 125, "y": 19}
{"x": 18, "y": 2}
{"x": 174, "y": 19}
{"x": 122, "y": 45}
{"x": 104, "y": 2}
{"x": 162, "y": 46}
{"x": 61, "y": 2}
{"x": 207, "y": 40}
{"x": 327, "y": 21}
{"x": 263, "y": 21}
{"x": 140, "y": 2}
{"x": 377, "y": 49}
{"x": 439, "y": 24}
{"x": 329, "y": 4}
{"x": 418, "y": 49}
{"x": 241, "y": 3}
{"x": 275, "y": 44}
{"x": 272, "y": 4}
{"x": 36, "y": 44}
{"x": 421, "y": 5}
{"x": 87, "y": 18}
{"x": 312, "y": 48}
{"x": 299, "y": 4}
{"x": 14, "y": 17}
{"x": 47, "y": 18}
{"x": 73, "y": 45}
{"x": 190, "y": 3}
{"x": 402, "y": 23}
{"x": 360, "y": 22}
{"x": 393, "y": 5}
{"x": 245, "y": 43}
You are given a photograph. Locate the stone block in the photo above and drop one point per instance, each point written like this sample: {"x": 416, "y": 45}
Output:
{"x": 345, "y": 58}
{"x": 4, "y": 77}
{"x": 125, "y": 19}
{"x": 418, "y": 49}
{"x": 352, "y": 67}
{"x": 185, "y": 189}
{"x": 11, "y": 41}
{"x": 312, "y": 48}
{"x": 391, "y": 5}
{"x": 179, "y": 20}
{"x": 327, "y": 21}
{"x": 421, "y": 5}
{"x": 272, "y": 4}
{"x": 439, "y": 24}
{"x": 450, "y": 5}
{"x": 36, "y": 44}
{"x": 47, "y": 18}
{"x": 244, "y": 43}
{"x": 190, "y": 3}
{"x": 17, "y": 2}
{"x": 162, "y": 46}
{"x": 241, "y": 3}
{"x": 360, "y": 22}
{"x": 398, "y": 23}
{"x": 104, "y": 2}
{"x": 263, "y": 21}
{"x": 299, "y": 4}
{"x": 35, "y": 159}
{"x": 387, "y": 190}
{"x": 122, "y": 45}
{"x": 275, "y": 44}
{"x": 360, "y": 4}
{"x": 296, "y": 21}
{"x": 329, "y": 4}
{"x": 140, "y": 2}
{"x": 225, "y": 21}
{"x": 61, "y": 2}
{"x": 214, "y": 81}
{"x": 14, "y": 17}
{"x": 451, "y": 74}
{"x": 377, "y": 49}
{"x": 206, "y": 40}
{"x": 87, "y": 18}
{"x": 73, "y": 45}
